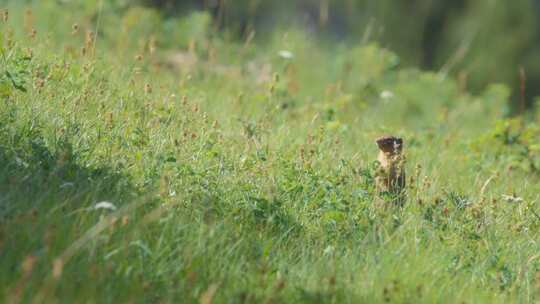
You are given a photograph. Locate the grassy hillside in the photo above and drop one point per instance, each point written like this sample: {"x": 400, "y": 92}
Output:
{"x": 145, "y": 159}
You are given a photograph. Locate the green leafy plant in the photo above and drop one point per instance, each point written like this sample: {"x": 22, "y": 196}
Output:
{"x": 14, "y": 70}
{"x": 513, "y": 142}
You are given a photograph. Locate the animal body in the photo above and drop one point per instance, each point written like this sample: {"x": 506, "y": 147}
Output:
{"x": 391, "y": 175}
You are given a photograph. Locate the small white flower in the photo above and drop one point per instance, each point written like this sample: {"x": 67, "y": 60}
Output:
{"x": 512, "y": 198}
{"x": 328, "y": 250}
{"x": 386, "y": 94}
{"x": 66, "y": 185}
{"x": 105, "y": 205}
{"x": 286, "y": 54}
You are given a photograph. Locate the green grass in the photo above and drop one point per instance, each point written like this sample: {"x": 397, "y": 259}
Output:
{"x": 248, "y": 177}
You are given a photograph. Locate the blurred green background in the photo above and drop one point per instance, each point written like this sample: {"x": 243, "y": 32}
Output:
{"x": 480, "y": 41}
{"x": 236, "y": 140}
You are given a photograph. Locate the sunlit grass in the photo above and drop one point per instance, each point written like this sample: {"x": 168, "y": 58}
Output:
{"x": 241, "y": 175}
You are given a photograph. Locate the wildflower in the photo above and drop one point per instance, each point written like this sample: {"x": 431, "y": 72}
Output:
{"x": 147, "y": 89}
{"x": 411, "y": 182}
{"x": 113, "y": 222}
{"x": 386, "y": 95}
{"x": 40, "y": 83}
{"x": 426, "y": 182}
{"x": 58, "y": 266}
{"x": 74, "y": 29}
{"x": 152, "y": 45}
{"x": 286, "y": 54}
{"x": 28, "y": 264}
{"x": 89, "y": 39}
{"x": 67, "y": 185}
{"x": 328, "y": 250}
{"x": 275, "y": 78}
{"x": 207, "y": 297}
{"x": 105, "y": 205}
{"x": 110, "y": 118}
{"x": 29, "y": 52}
{"x": 512, "y": 198}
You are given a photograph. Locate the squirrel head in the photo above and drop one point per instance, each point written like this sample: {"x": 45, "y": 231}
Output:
{"x": 390, "y": 144}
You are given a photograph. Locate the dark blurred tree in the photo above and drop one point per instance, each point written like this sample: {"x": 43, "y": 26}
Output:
{"x": 483, "y": 40}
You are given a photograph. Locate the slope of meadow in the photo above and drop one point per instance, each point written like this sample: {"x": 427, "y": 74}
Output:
{"x": 145, "y": 159}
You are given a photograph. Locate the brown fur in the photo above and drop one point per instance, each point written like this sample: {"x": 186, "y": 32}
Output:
{"x": 391, "y": 176}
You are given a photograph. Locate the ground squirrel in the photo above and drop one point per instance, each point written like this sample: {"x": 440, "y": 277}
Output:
{"x": 391, "y": 175}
